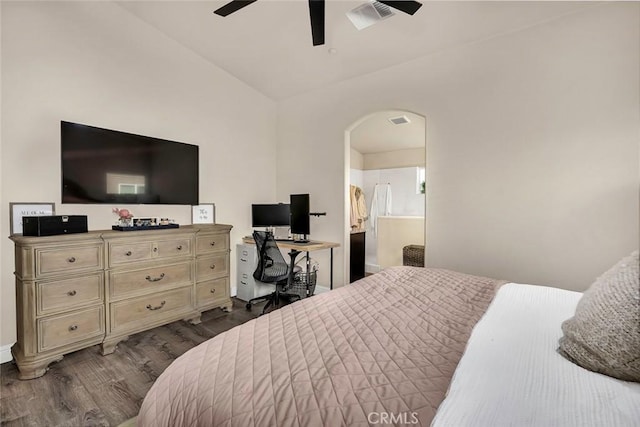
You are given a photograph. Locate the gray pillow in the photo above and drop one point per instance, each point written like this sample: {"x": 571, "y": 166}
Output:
{"x": 604, "y": 333}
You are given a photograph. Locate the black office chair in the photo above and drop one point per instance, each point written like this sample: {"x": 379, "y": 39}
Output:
{"x": 272, "y": 268}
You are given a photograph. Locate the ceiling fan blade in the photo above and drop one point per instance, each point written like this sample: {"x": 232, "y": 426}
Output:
{"x": 409, "y": 7}
{"x": 316, "y": 13}
{"x": 232, "y": 6}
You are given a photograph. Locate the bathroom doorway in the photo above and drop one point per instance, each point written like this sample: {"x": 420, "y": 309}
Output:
{"x": 386, "y": 190}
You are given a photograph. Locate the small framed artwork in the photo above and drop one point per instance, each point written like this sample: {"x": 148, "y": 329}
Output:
{"x": 18, "y": 210}
{"x": 203, "y": 214}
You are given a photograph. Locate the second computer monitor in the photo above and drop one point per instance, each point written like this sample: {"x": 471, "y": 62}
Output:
{"x": 299, "y": 206}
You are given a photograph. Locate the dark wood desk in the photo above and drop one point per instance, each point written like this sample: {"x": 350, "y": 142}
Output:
{"x": 312, "y": 245}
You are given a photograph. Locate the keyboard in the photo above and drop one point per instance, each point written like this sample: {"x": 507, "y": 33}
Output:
{"x": 302, "y": 242}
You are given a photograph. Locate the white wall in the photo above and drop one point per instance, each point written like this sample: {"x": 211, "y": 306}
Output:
{"x": 357, "y": 160}
{"x": 406, "y": 201}
{"x": 532, "y": 147}
{"x": 94, "y": 63}
{"x": 394, "y": 159}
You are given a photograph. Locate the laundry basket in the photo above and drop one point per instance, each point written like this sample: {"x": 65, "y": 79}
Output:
{"x": 413, "y": 255}
{"x": 304, "y": 282}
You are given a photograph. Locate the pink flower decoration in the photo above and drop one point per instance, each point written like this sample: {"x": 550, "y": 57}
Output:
{"x": 123, "y": 213}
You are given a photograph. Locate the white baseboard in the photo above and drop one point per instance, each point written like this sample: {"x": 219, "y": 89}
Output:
{"x": 5, "y": 353}
{"x": 320, "y": 289}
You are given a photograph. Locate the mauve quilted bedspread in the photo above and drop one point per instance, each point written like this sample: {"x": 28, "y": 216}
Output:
{"x": 381, "y": 349}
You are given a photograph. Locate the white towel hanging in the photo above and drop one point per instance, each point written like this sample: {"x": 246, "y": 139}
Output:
{"x": 374, "y": 211}
{"x": 387, "y": 202}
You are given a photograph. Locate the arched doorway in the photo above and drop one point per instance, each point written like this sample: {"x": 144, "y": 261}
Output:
{"x": 385, "y": 154}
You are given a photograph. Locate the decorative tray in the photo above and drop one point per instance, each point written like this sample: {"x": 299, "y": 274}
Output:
{"x": 144, "y": 227}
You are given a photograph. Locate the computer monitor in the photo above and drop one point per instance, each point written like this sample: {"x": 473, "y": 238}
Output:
{"x": 300, "y": 214}
{"x": 270, "y": 215}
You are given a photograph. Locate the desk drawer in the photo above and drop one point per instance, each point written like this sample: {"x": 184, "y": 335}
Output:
{"x": 59, "y": 295}
{"x": 211, "y": 267}
{"x": 212, "y": 291}
{"x": 246, "y": 257}
{"x": 212, "y": 243}
{"x": 144, "y": 312}
{"x": 68, "y": 259}
{"x": 70, "y": 328}
{"x": 150, "y": 279}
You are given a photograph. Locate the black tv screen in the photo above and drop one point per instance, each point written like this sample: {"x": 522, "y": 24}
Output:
{"x": 108, "y": 166}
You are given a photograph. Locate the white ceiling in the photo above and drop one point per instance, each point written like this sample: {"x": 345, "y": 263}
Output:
{"x": 268, "y": 43}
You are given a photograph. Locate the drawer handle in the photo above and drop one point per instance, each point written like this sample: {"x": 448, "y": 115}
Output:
{"x": 243, "y": 282}
{"x": 179, "y": 247}
{"x": 155, "y": 249}
{"x": 73, "y": 328}
{"x": 243, "y": 260}
{"x": 149, "y": 307}
{"x": 155, "y": 279}
{"x": 72, "y": 259}
{"x": 71, "y": 293}
{"x": 128, "y": 253}
{"x": 212, "y": 266}
{"x": 213, "y": 243}
{"x": 213, "y": 291}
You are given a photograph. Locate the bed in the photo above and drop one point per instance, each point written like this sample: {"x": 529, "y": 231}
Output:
{"x": 518, "y": 368}
{"x": 384, "y": 350}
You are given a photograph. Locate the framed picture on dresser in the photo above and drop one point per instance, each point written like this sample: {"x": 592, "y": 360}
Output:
{"x": 204, "y": 213}
{"x": 21, "y": 209}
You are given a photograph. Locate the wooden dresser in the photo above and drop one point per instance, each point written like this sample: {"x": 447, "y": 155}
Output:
{"x": 75, "y": 291}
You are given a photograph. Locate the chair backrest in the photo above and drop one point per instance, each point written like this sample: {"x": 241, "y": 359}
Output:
{"x": 272, "y": 266}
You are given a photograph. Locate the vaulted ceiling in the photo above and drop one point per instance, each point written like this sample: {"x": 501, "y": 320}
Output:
{"x": 268, "y": 43}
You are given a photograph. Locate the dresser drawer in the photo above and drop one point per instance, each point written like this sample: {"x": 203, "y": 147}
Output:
{"x": 125, "y": 252}
{"x": 122, "y": 253}
{"x": 68, "y": 259}
{"x": 174, "y": 248}
{"x": 142, "y": 312}
{"x": 211, "y": 267}
{"x": 212, "y": 243}
{"x": 70, "y": 328}
{"x": 150, "y": 279}
{"x": 59, "y": 295}
{"x": 212, "y": 291}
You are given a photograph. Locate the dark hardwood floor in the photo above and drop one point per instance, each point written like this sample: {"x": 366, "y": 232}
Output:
{"x": 88, "y": 389}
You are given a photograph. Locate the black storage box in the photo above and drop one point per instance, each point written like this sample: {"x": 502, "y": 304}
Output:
{"x": 53, "y": 225}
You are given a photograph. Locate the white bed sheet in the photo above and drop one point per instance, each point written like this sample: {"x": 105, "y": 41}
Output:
{"x": 511, "y": 374}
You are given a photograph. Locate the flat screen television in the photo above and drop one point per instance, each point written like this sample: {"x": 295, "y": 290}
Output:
{"x": 270, "y": 215}
{"x": 108, "y": 166}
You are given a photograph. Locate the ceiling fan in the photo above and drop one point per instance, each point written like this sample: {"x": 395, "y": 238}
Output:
{"x": 316, "y": 13}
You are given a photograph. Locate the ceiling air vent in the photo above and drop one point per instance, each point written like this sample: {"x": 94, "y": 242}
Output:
{"x": 400, "y": 120}
{"x": 368, "y": 14}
